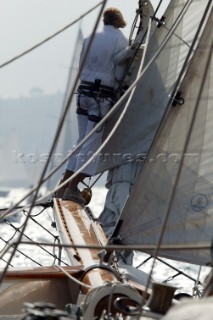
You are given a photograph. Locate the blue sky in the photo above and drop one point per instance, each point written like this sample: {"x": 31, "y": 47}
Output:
{"x": 24, "y": 23}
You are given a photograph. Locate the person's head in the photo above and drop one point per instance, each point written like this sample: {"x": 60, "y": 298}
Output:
{"x": 112, "y": 16}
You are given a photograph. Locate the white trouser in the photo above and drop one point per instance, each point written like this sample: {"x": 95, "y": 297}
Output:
{"x": 98, "y": 108}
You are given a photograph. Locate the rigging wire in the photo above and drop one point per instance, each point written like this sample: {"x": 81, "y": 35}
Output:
{"x": 180, "y": 272}
{"x": 155, "y": 57}
{"x": 110, "y": 247}
{"x": 196, "y": 290}
{"x": 27, "y": 237}
{"x": 8, "y": 212}
{"x": 41, "y": 225}
{"x": 52, "y": 172}
{"x": 107, "y": 116}
{"x": 17, "y": 230}
{"x": 50, "y": 37}
{"x": 158, "y": 7}
{"x": 48, "y": 176}
{"x": 55, "y": 237}
{"x": 176, "y": 35}
{"x": 166, "y": 216}
{"x": 121, "y": 247}
{"x": 139, "y": 12}
{"x": 59, "y": 128}
{"x": 77, "y": 147}
{"x": 19, "y": 251}
{"x": 133, "y": 27}
{"x": 3, "y": 258}
{"x": 9, "y": 240}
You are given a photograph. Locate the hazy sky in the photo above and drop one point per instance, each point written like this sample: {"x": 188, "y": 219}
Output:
{"x": 24, "y": 23}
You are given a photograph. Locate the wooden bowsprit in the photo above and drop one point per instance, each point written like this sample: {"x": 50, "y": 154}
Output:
{"x": 76, "y": 227}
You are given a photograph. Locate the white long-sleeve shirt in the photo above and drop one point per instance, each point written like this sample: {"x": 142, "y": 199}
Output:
{"x": 100, "y": 62}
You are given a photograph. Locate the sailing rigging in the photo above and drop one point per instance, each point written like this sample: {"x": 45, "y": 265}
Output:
{"x": 165, "y": 199}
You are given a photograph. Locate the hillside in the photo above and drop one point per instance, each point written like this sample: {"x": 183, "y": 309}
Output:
{"x": 33, "y": 121}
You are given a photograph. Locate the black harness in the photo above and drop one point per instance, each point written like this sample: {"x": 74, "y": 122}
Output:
{"x": 97, "y": 91}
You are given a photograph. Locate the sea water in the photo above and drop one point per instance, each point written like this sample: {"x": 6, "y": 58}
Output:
{"x": 41, "y": 228}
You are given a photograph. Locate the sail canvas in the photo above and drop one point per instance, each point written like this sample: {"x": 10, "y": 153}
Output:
{"x": 135, "y": 133}
{"x": 125, "y": 153}
{"x": 69, "y": 131}
{"x": 176, "y": 182}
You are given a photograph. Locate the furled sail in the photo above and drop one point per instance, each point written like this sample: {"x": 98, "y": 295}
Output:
{"x": 176, "y": 182}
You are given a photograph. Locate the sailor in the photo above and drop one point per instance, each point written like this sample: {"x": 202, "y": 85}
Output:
{"x": 99, "y": 77}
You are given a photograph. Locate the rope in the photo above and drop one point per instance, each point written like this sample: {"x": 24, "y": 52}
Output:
{"x": 23, "y": 254}
{"x": 17, "y": 230}
{"x": 27, "y": 237}
{"x": 73, "y": 278}
{"x": 56, "y": 238}
{"x": 55, "y": 139}
{"x": 54, "y": 170}
{"x": 166, "y": 216}
{"x": 196, "y": 291}
{"x": 107, "y": 116}
{"x": 51, "y": 173}
{"x": 121, "y": 247}
{"x": 50, "y": 37}
{"x": 42, "y": 178}
{"x": 176, "y": 35}
{"x": 134, "y": 84}
{"x": 172, "y": 267}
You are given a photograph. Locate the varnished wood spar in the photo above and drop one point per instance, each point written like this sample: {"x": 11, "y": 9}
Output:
{"x": 64, "y": 232}
{"x": 80, "y": 229}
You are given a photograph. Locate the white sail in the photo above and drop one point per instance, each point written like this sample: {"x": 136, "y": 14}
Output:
{"x": 177, "y": 178}
{"x": 69, "y": 132}
{"x": 136, "y": 132}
